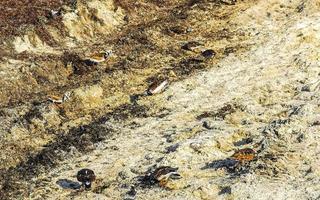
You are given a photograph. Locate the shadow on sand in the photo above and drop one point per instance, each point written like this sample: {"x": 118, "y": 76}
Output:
{"x": 218, "y": 164}
{"x": 68, "y": 184}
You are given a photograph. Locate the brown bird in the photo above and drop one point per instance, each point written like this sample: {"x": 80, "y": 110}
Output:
{"x": 157, "y": 87}
{"x": 55, "y": 99}
{"x": 86, "y": 177}
{"x": 164, "y": 173}
{"x": 244, "y": 155}
{"x": 98, "y": 57}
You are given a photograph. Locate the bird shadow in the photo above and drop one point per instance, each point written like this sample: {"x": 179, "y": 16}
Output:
{"x": 68, "y": 184}
{"x": 135, "y": 97}
{"x": 233, "y": 167}
{"x": 218, "y": 164}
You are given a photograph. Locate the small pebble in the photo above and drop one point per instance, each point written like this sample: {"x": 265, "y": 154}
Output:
{"x": 196, "y": 146}
{"x": 207, "y": 125}
{"x": 148, "y": 157}
{"x": 132, "y": 192}
{"x": 300, "y": 138}
{"x": 305, "y": 88}
{"x": 172, "y": 148}
{"x": 123, "y": 175}
{"x": 225, "y": 190}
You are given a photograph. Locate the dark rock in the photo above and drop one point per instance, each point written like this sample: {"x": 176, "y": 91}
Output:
{"x": 172, "y": 148}
{"x": 225, "y": 190}
{"x": 209, "y": 53}
{"x": 207, "y": 125}
{"x": 305, "y": 88}
{"x": 132, "y": 192}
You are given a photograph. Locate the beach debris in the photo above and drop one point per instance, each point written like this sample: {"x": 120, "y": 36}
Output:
{"x": 86, "y": 177}
{"x": 157, "y": 87}
{"x": 94, "y": 59}
{"x": 209, "y": 53}
{"x": 161, "y": 176}
{"x": 244, "y": 155}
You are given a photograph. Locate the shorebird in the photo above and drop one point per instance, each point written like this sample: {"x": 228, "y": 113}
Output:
{"x": 163, "y": 174}
{"x": 86, "y": 177}
{"x": 59, "y": 100}
{"x": 98, "y": 57}
{"x": 157, "y": 87}
{"x": 244, "y": 155}
{"x": 55, "y": 99}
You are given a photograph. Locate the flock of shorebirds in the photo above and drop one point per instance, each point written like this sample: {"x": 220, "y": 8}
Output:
{"x": 156, "y": 87}
{"x": 163, "y": 174}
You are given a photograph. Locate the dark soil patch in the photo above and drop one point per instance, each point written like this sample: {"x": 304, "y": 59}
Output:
{"x": 17, "y": 15}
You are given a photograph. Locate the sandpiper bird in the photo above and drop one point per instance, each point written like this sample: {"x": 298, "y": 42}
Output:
{"x": 164, "y": 174}
{"x": 59, "y": 100}
{"x": 55, "y": 99}
{"x": 157, "y": 87}
{"x": 86, "y": 177}
{"x": 98, "y": 57}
